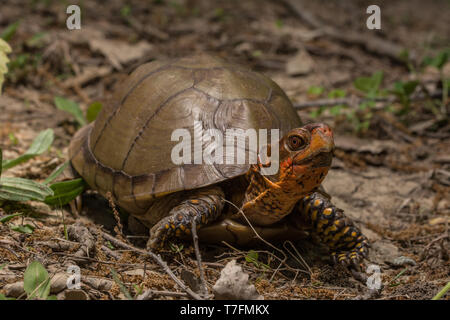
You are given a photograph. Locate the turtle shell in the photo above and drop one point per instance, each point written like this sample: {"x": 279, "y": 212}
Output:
{"x": 127, "y": 150}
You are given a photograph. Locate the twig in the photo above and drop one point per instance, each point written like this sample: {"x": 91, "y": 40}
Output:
{"x": 155, "y": 257}
{"x": 299, "y": 257}
{"x": 354, "y": 100}
{"x": 204, "y": 286}
{"x": 260, "y": 238}
{"x": 371, "y": 44}
{"x": 241, "y": 253}
{"x": 94, "y": 260}
{"x": 147, "y": 30}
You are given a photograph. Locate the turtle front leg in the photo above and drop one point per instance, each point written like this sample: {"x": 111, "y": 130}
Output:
{"x": 346, "y": 242}
{"x": 204, "y": 206}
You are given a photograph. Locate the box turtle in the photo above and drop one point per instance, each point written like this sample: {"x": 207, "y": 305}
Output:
{"x": 128, "y": 152}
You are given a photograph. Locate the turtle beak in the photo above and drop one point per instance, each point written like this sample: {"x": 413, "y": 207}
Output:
{"x": 321, "y": 137}
{"x": 321, "y": 146}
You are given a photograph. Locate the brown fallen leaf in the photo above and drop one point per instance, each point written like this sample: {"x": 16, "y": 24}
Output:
{"x": 119, "y": 52}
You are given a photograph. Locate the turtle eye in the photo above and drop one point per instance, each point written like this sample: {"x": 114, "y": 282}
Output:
{"x": 296, "y": 142}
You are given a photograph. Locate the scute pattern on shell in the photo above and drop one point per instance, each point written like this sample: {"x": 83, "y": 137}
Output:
{"x": 127, "y": 150}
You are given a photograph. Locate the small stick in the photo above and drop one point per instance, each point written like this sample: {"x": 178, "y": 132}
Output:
{"x": 354, "y": 100}
{"x": 298, "y": 257}
{"x": 199, "y": 257}
{"x": 260, "y": 238}
{"x": 155, "y": 257}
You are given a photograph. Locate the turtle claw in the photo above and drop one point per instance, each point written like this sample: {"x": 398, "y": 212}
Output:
{"x": 203, "y": 207}
{"x": 351, "y": 258}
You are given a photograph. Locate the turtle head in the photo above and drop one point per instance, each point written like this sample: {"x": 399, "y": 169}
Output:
{"x": 305, "y": 156}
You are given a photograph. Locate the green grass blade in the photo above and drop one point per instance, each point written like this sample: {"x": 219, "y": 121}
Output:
{"x": 121, "y": 285}
{"x": 9, "y": 31}
{"x": 59, "y": 169}
{"x": 42, "y": 142}
{"x": 65, "y": 191}
{"x": 442, "y": 292}
{"x": 72, "y": 107}
{"x": 19, "y": 189}
{"x": 9, "y": 217}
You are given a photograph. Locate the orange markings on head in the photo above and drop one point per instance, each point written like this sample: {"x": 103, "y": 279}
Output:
{"x": 305, "y": 157}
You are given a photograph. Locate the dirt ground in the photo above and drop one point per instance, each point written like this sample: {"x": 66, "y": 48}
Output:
{"x": 393, "y": 178}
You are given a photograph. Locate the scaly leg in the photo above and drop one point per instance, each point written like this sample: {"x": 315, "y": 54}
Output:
{"x": 204, "y": 206}
{"x": 346, "y": 242}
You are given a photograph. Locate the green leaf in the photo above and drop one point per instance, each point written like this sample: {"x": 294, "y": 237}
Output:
{"x": 369, "y": 85}
{"x": 121, "y": 285}
{"x": 337, "y": 93}
{"x": 10, "y": 30}
{"x": 19, "y": 189}
{"x": 36, "y": 41}
{"x": 65, "y": 191}
{"x": 279, "y": 23}
{"x": 315, "y": 90}
{"x": 336, "y": 110}
{"x": 93, "y": 110}
{"x": 52, "y": 297}
{"x": 26, "y": 228}
{"x": 42, "y": 142}
{"x": 55, "y": 173}
{"x": 2, "y": 266}
{"x": 72, "y": 107}
{"x": 252, "y": 256}
{"x": 9, "y": 217}
{"x": 13, "y": 138}
{"x": 36, "y": 282}
{"x": 410, "y": 86}
{"x": 438, "y": 61}
{"x": 125, "y": 11}
{"x": 3, "y": 297}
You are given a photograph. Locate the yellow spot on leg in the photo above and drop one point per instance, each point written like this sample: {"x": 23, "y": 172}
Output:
{"x": 314, "y": 215}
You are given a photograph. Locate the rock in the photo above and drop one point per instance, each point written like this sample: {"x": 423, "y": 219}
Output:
{"x": 371, "y": 235}
{"x": 191, "y": 280}
{"x": 233, "y": 284}
{"x": 402, "y": 260}
{"x": 59, "y": 282}
{"x": 14, "y": 289}
{"x": 75, "y": 295}
{"x": 383, "y": 251}
{"x": 98, "y": 283}
{"x": 300, "y": 64}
